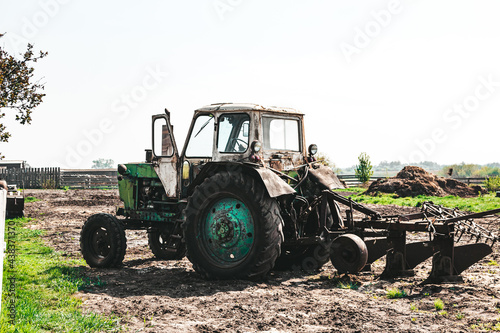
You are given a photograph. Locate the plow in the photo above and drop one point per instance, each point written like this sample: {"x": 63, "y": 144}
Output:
{"x": 246, "y": 195}
{"x": 378, "y": 236}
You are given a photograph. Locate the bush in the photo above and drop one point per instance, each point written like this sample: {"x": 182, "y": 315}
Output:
{"x": 492, "y": 183}
{"x": 363, "y": 171}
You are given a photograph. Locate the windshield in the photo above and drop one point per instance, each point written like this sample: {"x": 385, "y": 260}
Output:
{"x": 201, "y": 140}
{"x": 281, "y": 133}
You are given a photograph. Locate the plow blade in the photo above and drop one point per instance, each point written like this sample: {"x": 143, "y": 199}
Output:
{"x": 468, "y": 255}
{"x": 417, "y": 253}
{"x": 377, "y": 248}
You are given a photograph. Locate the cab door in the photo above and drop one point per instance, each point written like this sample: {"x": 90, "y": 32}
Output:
{"x": 166, "y": 155}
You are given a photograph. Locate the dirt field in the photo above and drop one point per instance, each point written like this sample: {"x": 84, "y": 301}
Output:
{"x": 169, "y": 296}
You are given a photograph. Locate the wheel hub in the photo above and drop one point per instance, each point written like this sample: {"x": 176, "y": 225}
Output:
{"x": 226, "y": 229}
{"x": 229, "y": 229}
{"x": 101, "y": 243}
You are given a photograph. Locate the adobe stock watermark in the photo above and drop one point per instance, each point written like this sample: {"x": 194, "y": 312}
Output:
{"x": 363, "y": 37}
{"x": 223, "y": 7}
{"x": 121, "y": 107}
{"x": 32, "y": 25}
{"x": 453, "y": 118}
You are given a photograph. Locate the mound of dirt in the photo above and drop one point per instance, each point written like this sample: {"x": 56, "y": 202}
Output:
{"x": 413, "y": 181}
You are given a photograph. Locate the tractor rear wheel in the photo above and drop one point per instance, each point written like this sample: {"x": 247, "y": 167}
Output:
{"x": 233, "y": 228}
{"x": 158, "y": 240}
{"x": 102, "y": 241}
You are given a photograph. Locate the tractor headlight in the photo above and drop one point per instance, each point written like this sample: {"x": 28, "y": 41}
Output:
{"x": 256, "y": 146}
{"x": 313, "y": 149}
{"x": 122, "y": 169}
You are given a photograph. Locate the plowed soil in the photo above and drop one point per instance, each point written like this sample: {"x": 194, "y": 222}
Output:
{"x": 169, "y": 296}
{"x": 412, "y": 181}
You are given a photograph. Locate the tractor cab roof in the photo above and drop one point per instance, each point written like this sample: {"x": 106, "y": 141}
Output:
{"x": 231, "y": 107}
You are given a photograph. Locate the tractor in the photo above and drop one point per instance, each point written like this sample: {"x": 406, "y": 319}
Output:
{"x": 239, "y": 197}
{"x": 246, "y": 194}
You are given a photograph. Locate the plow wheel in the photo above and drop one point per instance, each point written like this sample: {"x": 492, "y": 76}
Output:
{"x": 348, "y": 254}
{"x": 158, "y": 241}
{"x": 102, "y": 241}
{"x": 233, "y": 228}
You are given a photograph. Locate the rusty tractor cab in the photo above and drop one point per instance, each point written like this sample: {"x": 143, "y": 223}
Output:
{"x": 246, "y": 195}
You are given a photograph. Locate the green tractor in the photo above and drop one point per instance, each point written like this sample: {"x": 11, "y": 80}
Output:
{"x": 243, "y": 196}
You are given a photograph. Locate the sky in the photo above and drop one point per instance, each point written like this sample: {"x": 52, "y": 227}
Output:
{"x": 408, "y": 80}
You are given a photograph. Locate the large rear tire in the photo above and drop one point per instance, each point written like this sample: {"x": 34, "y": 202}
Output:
{"x": 102, "y": 241}
{"x": 233, "y": 228}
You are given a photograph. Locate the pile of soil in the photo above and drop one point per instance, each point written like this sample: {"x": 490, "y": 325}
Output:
{"x": 413, "y": 181}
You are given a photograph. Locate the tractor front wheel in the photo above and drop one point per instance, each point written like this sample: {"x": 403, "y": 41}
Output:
{"x": 233, "y": 228}
{"x": 158, "y": 240}
{"x": 102, "y": 241}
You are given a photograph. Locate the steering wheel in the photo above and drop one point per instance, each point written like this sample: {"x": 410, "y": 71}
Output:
{"x": 242, "y": 145}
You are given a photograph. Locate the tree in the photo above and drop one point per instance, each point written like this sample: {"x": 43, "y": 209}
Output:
{"x": 18, "y": 91}
{"x": 103, "y": 164}
{"x": 363, "y": 171}
{"x": 461, "y": 170}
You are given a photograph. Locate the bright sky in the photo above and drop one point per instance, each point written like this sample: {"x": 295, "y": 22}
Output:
{"x": 400, "y": 80}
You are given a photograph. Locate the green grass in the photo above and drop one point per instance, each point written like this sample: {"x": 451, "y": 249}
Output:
{"x": 395, "y": 293}
{"x": 477, "y": 204}
{"x": 45, "y": 283}
{"x": 31, "y": 199}
{"x": 351, "y": 189}
{"x": 486, "y": 327}
{"x": 438, "y": 304}
{"x": 347, "y": 285}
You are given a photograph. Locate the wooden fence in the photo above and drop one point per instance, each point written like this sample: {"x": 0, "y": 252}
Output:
{"x": 472, "y": 181}
{"x": 352, "y": 181}
{"x": 107, "y": 178}
{"x": 32, "y": 177}
{"x": 36, "y": 178}
{"x": 89, "y": 178}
